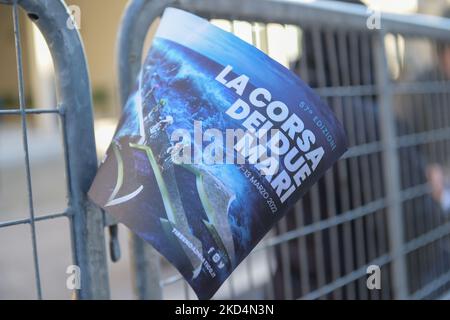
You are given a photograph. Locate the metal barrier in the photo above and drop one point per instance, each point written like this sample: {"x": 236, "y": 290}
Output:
{"x": 374, "y": 207}
{"x": 74, "y": 111}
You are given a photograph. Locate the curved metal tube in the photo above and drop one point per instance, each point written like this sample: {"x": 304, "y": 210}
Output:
{"x": 75, "y": 106}
{"x": 140, "y": 14}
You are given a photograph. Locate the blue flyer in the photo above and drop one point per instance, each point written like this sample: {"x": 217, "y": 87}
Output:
{"x": 215, "y": 144}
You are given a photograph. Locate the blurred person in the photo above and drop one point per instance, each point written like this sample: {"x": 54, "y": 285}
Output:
{"x": 440, "y": 189}
{"x": 423, "y": 210}
{"x": 436, "y": 173}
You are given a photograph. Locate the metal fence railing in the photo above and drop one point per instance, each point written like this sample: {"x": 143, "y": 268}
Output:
{"x": 374, "y": 206}
{"x": 74, "y": 113}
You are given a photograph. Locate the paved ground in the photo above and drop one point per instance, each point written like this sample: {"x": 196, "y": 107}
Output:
{"x": 49, "y": 195}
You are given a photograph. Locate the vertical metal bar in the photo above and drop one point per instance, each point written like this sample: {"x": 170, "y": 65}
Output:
{"x": 414, "y": 207}
{"x": 424, "y": 258}
{"x": 145, "y": 263}
{"x": 286, "y": 262}
{"x": 380, "y": 221}
{"x": 230, "y": 280}
{"x": 270, "y": 286}
{"x": 270, "y": 254}
{"x": 73, "y": 88}
{"x": 418, "y": 209}
{"x": 303, "y": 253}
{"x": 372, "y": 175}
{"x": 430, "y": 104}
{"x": 249, "y": 269}
{"x": 409, "y": 209}
{"x": 391, "y": 169}
{"x": 355, "y": 107}
{"x": 445, "y": 218}
{"x": 386, "y": 282}
{"x": 25, "y": 145}
{"x": 445, "y": 241}
{"x": 375, "y": 161}
{"x": 364, "y": 228}
{"x": 186, "y": 290}
{"x": 145, "y": 269}
{"x": 136, "y": 21}
{"x": 314, "y": 191}
{"x": 441, "y": 150}
{"x": 249, "y": 260}
{"x": 232, "y": 287}
{"x": 299, "y": 212}
{"x": 329, "y": 178}
{"x": 343, "y": 170}
{"x": 346, "y": 201}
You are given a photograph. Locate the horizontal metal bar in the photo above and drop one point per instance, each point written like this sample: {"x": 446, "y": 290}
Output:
{"x": 141, "y": 13}
{"x": 40, "y": 218}
{"x": 380, "y": 261}
{"x": 415, "y": 192}
{"x": 327, "y": 13}
{"x": 445, "y": 296}
{"x": 427, "y": 238}
{"x": 422, "y": 87}
{"x": 29, "y": 111}
{"x": 21, "y": 87}
{"x": 306, "y": 14}
{"x": 410, "y": 140}
{"x": 412, "y": 245}
{"x": 171, "y": 280}
{"x": 346, "y": 91}
{"x": 431, "y": 286}
{"x": 348, "y": 278}
{"x": 363, "y": 149}
{"x": 350, "y": 215}
{"x": 402, "y": 142}
{"x": 325, "y": 224}
{"x": 423, "y": 137}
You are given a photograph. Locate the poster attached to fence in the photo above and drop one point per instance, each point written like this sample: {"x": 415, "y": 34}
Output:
{"x": 215, "y": 143}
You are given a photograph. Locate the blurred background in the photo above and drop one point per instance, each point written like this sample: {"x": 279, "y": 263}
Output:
{"x": 269, "y": 272}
